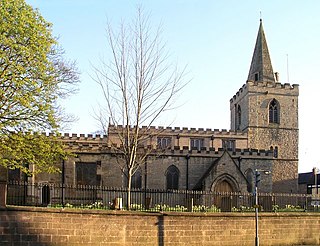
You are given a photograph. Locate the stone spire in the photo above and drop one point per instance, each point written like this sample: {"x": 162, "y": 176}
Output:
{"x": 261, "y": 67}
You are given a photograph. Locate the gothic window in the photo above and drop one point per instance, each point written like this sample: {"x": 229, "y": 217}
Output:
{"x": 250, "y": 179}
{"x": 172, "y": 176}
{"x": 196, "y": 143}
{"x": 164, "y": 142}
{"x": 274, "y": 112}
{"x": 86, "y": 173}
{"x": 136, "y": 180}
{"x": 238, "y": 117}
{"x": 229, "y": 144}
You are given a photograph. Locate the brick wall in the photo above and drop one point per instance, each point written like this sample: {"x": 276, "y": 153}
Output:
{"x": 45, "y": 226}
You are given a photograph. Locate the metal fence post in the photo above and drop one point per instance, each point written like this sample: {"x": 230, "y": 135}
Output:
{"x": 3, "y": 187}
{"x": 3, "y": 194}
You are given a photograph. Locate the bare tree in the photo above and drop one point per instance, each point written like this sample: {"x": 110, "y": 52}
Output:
{"x": 138, "y": 85}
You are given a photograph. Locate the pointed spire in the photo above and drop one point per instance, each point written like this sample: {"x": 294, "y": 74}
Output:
{"x": 261, "y": 67}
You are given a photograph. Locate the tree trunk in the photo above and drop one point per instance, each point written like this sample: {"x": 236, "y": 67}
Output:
{"x": 129, "y": 190}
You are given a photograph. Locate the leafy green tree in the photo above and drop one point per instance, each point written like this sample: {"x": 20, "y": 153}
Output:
{"x": 33, "y": 76}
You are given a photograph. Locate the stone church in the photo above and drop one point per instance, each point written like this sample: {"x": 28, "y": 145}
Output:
{"x": 263, "y": 136}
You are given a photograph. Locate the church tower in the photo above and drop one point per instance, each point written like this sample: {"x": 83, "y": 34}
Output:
{"x": 267, "y": 111}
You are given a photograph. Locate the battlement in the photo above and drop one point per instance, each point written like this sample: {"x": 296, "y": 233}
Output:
{"x": 265, "y": 87}
{"x": 213, "y": 152}
{"x": 160, "y": 130}
{"x": 90, "y": 137}
{"x": 84, "y": 143}
{"x": 99, "y": 147}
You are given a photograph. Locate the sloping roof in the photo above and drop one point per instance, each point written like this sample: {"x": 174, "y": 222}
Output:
{"x": 307, "y": 178}
{"x": 198, "y": 185}
{"x": 261, "y": 67}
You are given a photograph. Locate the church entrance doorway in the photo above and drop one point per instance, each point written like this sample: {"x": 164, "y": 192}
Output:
{"x": 223, "y": 186}
{"x": 224, "y": 198}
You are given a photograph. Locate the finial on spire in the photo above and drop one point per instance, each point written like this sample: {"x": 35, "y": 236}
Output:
{"x": 260, "y": 16}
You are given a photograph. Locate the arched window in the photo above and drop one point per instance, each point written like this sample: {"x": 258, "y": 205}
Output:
{"x": 249, "y": 176}
{"x": 172, "y": 176}
{"x": 136, "y": 179}
{"x": 274, "y": 113}
{"x": 238, "y": 117}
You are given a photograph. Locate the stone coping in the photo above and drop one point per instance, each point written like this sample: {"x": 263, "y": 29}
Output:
{"x": 139, "y": 213}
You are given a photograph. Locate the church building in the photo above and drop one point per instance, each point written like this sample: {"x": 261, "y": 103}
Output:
{"x": 263, "y": 136}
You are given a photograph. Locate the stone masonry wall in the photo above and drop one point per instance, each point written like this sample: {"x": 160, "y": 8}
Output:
{"x": 46, "y": 227}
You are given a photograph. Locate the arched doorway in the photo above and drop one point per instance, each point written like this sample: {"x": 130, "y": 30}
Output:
{"x": 45, "y": 195}
{"x": 223, "y": 186}
{"x": 223, "y": 194}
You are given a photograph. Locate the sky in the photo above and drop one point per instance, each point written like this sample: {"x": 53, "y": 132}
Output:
{"x": 215, "y": 39}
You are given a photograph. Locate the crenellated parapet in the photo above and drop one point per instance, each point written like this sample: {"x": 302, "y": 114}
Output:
{"x": 216, "y": 152}
{"x": 84, "y": 137}
{"x": 180, "y": 138}
{"x": 265, "y": 88}
{"x": 83, "y": 142}
{"x": 179, "y": 131}
{"x": 77, "y": 144}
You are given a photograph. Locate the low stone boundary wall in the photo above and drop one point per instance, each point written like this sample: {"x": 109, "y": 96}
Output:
{"x": 48, "y": 226}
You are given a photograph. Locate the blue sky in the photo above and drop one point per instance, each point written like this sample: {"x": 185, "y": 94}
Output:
{"x": 215, "y": 39}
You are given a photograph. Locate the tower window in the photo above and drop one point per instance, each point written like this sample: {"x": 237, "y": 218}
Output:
{"x": 238, "y": 117}
{"x": 274, "y": 112}
{"x": 256, "y": 77}
{"x": 275, "y": 151}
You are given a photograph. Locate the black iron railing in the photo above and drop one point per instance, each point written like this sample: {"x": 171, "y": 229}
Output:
{"x": 100, "y": 197}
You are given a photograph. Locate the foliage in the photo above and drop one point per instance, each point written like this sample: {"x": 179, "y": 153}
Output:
{"x": 243, "y": 209}
{"x": 95, "y": 205}
{"x": 21, "y": 148}
{"x": 287, "y": 208}
{"x": 181, "y": 208}
{"x": 138, "y": 207}
{"x": 33, "y": 76}
{"x": 202, "y": 208}
{"x": 176, "y": 208}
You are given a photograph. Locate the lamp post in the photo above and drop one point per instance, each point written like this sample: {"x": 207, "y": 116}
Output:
{"x": 256, "y": 206}
{"x": 315, "y": 172}
{"x": 62, "y": 182}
